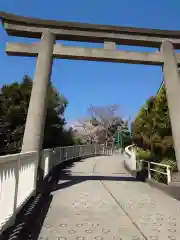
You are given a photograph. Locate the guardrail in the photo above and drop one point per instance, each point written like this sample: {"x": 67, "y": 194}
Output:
{"x": 130, "y": 160}
{"x": 17, "y": 184}
{"x": 167, "y": 169}
{"x": 133, "y": 165}
{"x": 18, "y": 175}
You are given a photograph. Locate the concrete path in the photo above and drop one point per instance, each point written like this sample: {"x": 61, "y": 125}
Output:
{"x": 97, "y": 199}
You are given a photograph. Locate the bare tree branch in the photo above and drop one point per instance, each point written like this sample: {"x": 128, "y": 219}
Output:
{"x": 87, "y": 131}
{"x": 106, "y": 116}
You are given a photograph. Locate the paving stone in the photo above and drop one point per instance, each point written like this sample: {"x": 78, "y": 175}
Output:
{"x": 91, "y": 207}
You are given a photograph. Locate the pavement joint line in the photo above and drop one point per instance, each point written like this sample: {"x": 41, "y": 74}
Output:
{"x": 134, "y": 223}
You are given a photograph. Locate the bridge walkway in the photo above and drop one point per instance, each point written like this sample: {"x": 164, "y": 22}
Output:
{"x": 96, "y": 198}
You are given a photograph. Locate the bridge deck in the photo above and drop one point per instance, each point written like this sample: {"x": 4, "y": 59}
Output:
{"x": 97, "y": 199}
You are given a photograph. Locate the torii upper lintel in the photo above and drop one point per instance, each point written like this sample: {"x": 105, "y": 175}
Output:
{"x": 33, "y": 27}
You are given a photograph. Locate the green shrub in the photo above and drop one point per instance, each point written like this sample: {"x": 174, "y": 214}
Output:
{"x": 143, "y": 154}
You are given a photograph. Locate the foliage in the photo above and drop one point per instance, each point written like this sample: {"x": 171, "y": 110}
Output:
{"x": 106, "y": 121}
{"x": 103, "y": 118}
{"x": 161, "y": 177}
{"x": 14, "y": 101}
{"x": 87, "y": 130}
{"x": 144, "y": 154}
{"x": 151, "y": 129}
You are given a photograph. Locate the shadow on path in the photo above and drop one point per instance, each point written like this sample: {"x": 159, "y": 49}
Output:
{"x": 73, "y": 180}
{"x": 36, "y": 226}
{"x": 33, "y": 229}
{"x": 62, "y": 178}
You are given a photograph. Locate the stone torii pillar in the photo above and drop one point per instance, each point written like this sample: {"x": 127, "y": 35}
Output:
{"x": 34, "y": 129}
{"x": 172, "y": 84}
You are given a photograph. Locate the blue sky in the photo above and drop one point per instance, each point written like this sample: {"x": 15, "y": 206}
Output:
{"x": 83, "y": 82}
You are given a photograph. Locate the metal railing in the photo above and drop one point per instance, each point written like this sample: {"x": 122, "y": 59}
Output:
{"x": 134, "y": 164}
{"x": 166, "y": 172}
{"x": 18, "y": 175}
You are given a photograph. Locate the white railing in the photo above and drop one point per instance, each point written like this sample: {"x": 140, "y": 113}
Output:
{"x": 131, "y": 163}
{"x": 18, "y": 175}
{"x": 53, "y": 157}
{"x": 166, "y": 172}
{"x": 17, "y": 184}
{"x": 130, "y": 157}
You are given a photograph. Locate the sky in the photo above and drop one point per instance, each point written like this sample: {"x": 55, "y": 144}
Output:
{"x": 86, "y": 83}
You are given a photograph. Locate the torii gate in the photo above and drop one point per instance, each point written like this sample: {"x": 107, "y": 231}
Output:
{"x": 49, "y": 31}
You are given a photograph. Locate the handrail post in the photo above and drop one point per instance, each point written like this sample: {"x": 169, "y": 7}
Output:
{"x": 66, "y": 154}
{"x": 149, "y": 170}
{"x": 168, "y": 174}
{"x": 17, "y": 170}
{"x": 141, "y": 164}
{"x": 36, "y": 171}
{"x": 80, "y": 151}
